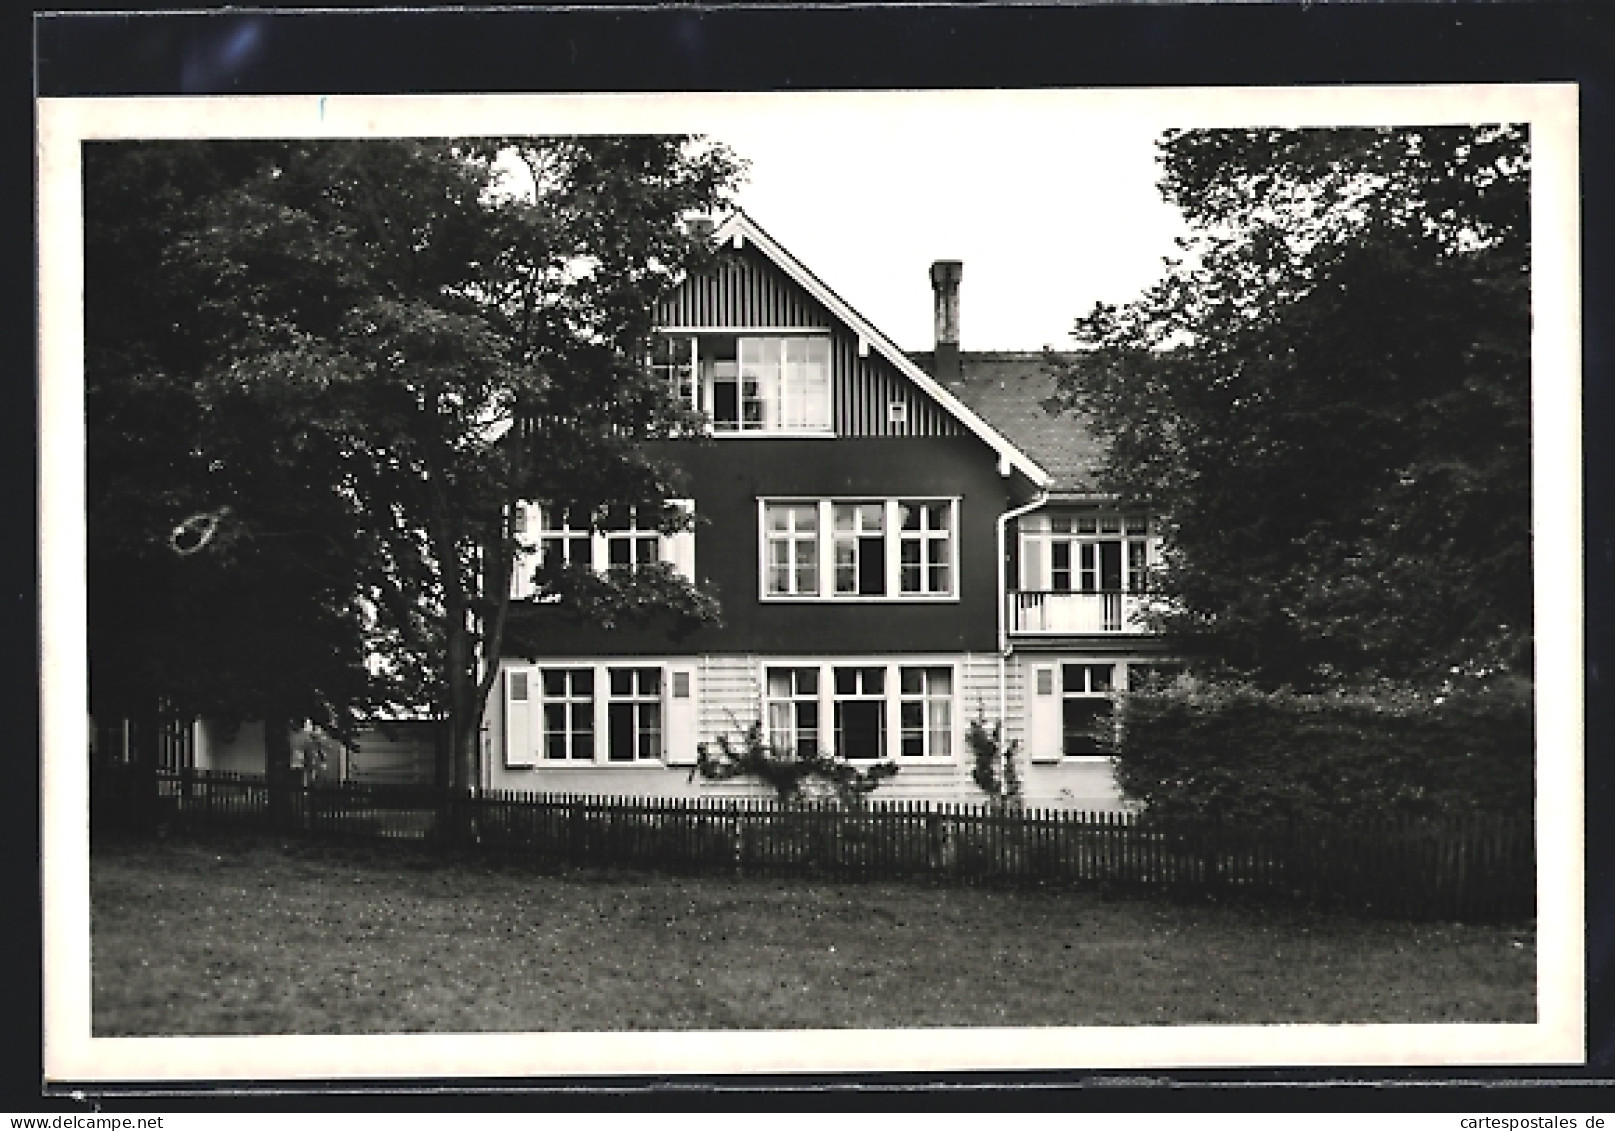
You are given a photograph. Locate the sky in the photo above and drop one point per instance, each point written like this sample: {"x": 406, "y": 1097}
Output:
{"x": 1049, "y": 214}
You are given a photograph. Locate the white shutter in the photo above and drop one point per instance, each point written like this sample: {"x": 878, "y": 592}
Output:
{"x": 520, "y": 687}
{"x": 681, "y": 714}
{"x": 1043, "y": 737}
{"x": 1034, "y": 565}
{"x": 678, "y": 550}
{"x": 525, "y": 560}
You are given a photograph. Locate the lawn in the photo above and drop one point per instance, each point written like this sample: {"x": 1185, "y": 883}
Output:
{"x": 257, "y": 936}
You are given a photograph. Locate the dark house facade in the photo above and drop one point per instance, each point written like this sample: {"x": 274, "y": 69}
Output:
{"x": 900, "y": 545}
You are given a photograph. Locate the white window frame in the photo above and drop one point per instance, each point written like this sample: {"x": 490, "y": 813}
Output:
{"x": 782, "y": 713}
{"x": 673, "y": 711}
{"x": 926, "y": 699}
{"x": 891, "y": 698}
{"x": 567, "y": 701}
{"x": 1088, "y": 694}
{"x": 694, "y": 382}
{"x": 1080, "y": 543}
{"x": 791, "y": 537}
{"x": 892, "y": 553}
{"x": 533, "y": 530}
{"x": 638, "y": 702}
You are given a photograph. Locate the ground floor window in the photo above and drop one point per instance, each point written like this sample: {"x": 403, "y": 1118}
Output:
{"x": 861, "y": 711}
{"x": 634, "y": 714}
{"x": 568, "y": 713}
{"x": 1086, "y": 708}
{"x": 860, "y": 706}
{"x": 793, "y": 710}
{"x": 926, "y": 707}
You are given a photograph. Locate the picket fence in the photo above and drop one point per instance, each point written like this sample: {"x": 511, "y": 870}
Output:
{"x": 1477, "y": 868}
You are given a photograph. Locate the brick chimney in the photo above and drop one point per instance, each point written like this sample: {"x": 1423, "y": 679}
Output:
{"x": 945, "y": 275}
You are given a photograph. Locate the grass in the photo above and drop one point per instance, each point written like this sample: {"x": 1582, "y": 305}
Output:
{"x": 259, "y": 937}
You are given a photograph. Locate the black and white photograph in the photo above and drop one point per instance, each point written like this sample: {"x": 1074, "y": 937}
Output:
{"x": 811, "y": 582}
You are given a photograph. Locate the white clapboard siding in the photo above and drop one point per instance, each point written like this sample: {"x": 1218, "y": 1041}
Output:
{"x": 729, "y": 695}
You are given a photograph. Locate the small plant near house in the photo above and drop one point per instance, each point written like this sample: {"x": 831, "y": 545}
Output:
{"x": 794, "y": 776}
{"x": 994, "y": 764}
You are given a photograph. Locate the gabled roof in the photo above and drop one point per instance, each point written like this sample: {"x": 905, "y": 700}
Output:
{"x": 739, "y": 224}
{"x": 1008, "y": 390}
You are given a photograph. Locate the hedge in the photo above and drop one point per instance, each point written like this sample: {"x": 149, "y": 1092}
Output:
{"x": 1239, "y": 753}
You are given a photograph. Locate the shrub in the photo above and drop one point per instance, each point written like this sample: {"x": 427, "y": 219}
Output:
{"x": 993, "y": 764}
{"x": 1237, "y": 752}
{"x": 789, "y": 772}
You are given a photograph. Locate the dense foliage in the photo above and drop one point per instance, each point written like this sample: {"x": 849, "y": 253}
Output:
{"x": 994, "y": 763}
{"x": 1328, "y": 397}
{"x": 352, "y": 357}
{"x": 1244, "y": 754}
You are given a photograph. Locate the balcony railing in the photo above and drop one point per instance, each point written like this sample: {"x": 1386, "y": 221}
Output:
{"x": 1061, "y": 612}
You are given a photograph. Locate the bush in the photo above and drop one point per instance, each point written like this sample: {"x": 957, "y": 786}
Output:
{"x": 790, "y": 773}
{"x": 1240, "y": 753}
{"x": 994, "y": 765}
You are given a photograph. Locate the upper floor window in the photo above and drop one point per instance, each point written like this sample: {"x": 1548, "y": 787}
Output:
{"x": 750, "y": 383}
{"x": 620, "y": 537}
{"x": 896, "y": 549}
{"x": 1093, "y": 552}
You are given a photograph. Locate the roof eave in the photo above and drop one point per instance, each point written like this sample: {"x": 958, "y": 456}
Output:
{"x": 739, "y": 223}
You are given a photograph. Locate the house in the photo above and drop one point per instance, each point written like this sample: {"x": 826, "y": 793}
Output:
{"x": 900, "y": 545}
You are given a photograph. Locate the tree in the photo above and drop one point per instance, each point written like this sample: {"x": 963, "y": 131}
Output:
{"x": 264, "y": 623}
{"x": 1328, "y": 396}
{"x": 417, "y": 345}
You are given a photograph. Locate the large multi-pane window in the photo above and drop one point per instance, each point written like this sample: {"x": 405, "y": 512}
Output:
{"x": 792, "y": 378}
{"x": 1086, "y": 708}
{"x": 793, "y": 710}
{"x": 568, "y": 713}
{"x": 634, "y": 714}
{"x": 750, "y": 383}
{"x": 874, "y": 710}
{"x": 1093, "y": 552}
{"x": 622, "y": 538}
{"x": 895, "y": 549}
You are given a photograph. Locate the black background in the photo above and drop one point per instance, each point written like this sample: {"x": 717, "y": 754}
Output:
{"x": 778, "y": 48}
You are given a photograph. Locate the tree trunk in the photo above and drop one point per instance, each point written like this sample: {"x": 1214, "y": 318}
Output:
{"x": 278, "y": 768}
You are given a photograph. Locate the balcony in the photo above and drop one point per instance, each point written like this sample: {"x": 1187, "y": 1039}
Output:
{"x": 1051, "y": 613}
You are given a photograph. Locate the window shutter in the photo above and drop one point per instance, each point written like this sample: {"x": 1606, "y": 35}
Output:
{"x": 678, "y": 550}
{"x": 1034, "y": 565}
{"x": 519, "y": 690}
{"x": 679, "y": 706}
{"x": 1043, "y": 713}
{"x": 524, "y": 561}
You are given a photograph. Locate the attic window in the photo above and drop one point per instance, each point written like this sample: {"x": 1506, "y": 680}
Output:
{"x": 773, "y": 385}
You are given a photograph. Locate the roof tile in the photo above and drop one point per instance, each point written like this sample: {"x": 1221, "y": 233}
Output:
{"x": 1007, "y": 390}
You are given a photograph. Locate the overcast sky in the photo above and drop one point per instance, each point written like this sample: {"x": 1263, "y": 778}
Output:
{"x": 1047, "y": 216}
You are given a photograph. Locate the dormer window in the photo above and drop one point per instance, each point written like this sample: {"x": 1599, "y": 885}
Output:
{"x": 749, "y": 384}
